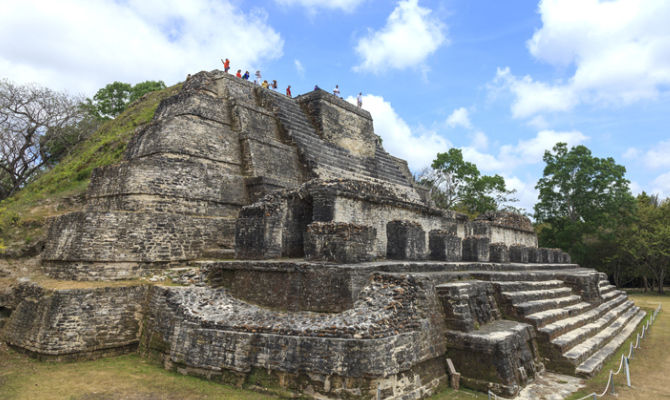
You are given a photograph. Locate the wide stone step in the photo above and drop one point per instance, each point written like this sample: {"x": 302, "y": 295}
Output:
{"x": 531, "y": 295}
{"x": 561, "y": 326}
{"x": 535, "y": 306}
{"x": 606, "y": 289}
{"x": 528, "y": 285}
{"x": 577, "y": 354}
{"x": 595, "y": 363}
{"x": 578, "y": 335}
{"x": 611, "y": 294}
{"x": 542, "y": 318}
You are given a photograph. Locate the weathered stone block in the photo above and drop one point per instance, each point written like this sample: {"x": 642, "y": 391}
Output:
{"x": 499, "y": 253}
{"x": 565, "y": 258}
{"x": 406, "y": 240}
{"x": 468, "y": 305}
{"x": 445, "y": 245}
{"x": 546, "y": 256}
{"x": 533, "y": 255}
{"x": 339, "y": 242}
{"x": 258, "y": 231}
{"x": 501, "y": 356}
{"x": 341, "y": 123}
{"x": 67, "y": 324}
{"x": 518, "y": 253}
{"x": 476, "y": 248}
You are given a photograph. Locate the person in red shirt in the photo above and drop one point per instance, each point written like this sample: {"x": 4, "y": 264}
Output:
{"x": 288, "y": 91}
{"x": 239, "y": 73}
{"x": 226, "y": 65}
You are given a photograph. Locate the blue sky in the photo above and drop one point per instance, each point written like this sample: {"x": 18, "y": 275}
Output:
{"x": 503, "y": 80}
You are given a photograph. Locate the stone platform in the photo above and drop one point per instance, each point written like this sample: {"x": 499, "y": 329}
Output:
{"x": 342, "y": 330}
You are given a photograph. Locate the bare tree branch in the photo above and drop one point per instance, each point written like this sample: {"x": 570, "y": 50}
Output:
{"x": 30, "y": 117}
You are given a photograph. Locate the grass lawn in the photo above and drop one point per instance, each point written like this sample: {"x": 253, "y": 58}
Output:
{"x": 650, "y": 366}
{"x": 133, "y": 378}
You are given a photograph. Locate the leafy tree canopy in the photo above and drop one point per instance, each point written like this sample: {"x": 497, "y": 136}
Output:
{"x": 458, "y": 184}
{"x": 113, "y": 99}
{"x": 582, "y": 199}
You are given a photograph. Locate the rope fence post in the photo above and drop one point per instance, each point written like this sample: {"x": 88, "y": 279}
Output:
{"x": 627, "y": 367}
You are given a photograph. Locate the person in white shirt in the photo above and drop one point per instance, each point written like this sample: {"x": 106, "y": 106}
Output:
{"x": 258, "y": 77}
{"x": 336, "y": 91}
{"x": 359, "y": 99}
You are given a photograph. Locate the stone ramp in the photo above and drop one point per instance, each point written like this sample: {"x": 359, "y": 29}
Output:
{"x": 576, "y": 336}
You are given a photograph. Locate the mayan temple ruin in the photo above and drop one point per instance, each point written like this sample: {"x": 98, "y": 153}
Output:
{"x": 297, "y": 249}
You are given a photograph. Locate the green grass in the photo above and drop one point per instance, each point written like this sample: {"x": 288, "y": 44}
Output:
{"x": 122, "y": 377}
{"x": 133, "y": 377}
{"x": 22, "y": 216}
{"x": 650, "y": 366}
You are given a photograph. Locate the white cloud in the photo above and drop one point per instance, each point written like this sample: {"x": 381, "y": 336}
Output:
{"x": 538, "y": 122}
{"x": 531, "y": 151}
{"x": 411, "y": 34}
{"x": 533, "y": 96}
{"x": 659, "y": 155}
{"x": 524, "y": 152}
{"x": 480, "y": 140}
{"x": 398, "y": 139}
{"x": 485, "y": 162}
{"x": 459, "y": 117}
{"x": 313, "y": 5}
{"x": 635, "y": 188}
{"x": 631, "y": 153}
{"x": 525, "y": 192}
{"x": 299, "y": 67}
{"x": 661, "y": 185}
{"x": 619, "y": 51}
{"x": 82, "y": 45}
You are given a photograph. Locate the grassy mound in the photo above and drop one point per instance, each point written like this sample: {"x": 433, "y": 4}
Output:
{"x": 59, "y": 190}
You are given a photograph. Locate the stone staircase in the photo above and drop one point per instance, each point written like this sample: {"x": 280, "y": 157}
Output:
{"x": 327, "y": 159}
{"x": 574, "y": 336}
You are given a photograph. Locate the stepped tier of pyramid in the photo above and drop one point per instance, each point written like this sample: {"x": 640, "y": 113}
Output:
{"x": 304, "y": 255}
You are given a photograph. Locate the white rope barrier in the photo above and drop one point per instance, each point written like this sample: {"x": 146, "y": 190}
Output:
{"x": 625, "y": 361}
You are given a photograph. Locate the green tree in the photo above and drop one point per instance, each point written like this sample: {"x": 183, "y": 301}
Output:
{"x": 458, "y": 184}
{"x": 583, "y": 201}
{"x": 145, "y": 87}
{"x": 647, "y": 244}
{"x": 114, "y": 98}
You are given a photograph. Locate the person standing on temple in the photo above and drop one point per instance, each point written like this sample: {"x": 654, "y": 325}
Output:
{"x": 274, "y": 84}
{"x": 226, "y": 65}
{"x": 336, "y": 91}
{"x": 258, "y": 77}
{"x": 359, "y": 99}
{"x": 288, "y": 91}
{"x": 239, "y": 73}
{"x": 246, "y": 75}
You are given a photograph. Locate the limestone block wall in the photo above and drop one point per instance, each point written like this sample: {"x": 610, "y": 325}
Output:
{"x": 379, "y": 215}
{"x": 219, "y": 144}
{"x": 76, "y": 323}
{"x": 266, "y": 228}
{"x": 340, "y": 122}
{"x": 189, "y": 182}
{"x": 393, "y": 331}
